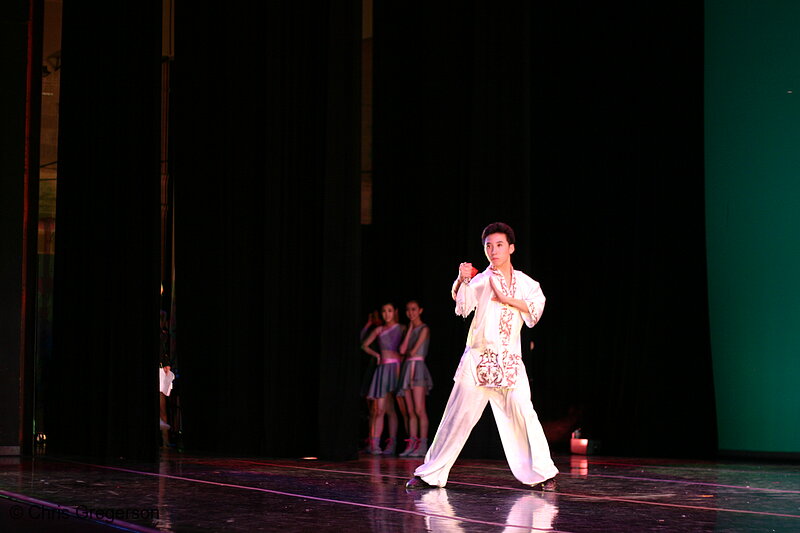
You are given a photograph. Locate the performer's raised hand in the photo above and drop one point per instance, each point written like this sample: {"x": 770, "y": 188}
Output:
{"x": 498, "y": 293}
{"x": 465, "y": 271}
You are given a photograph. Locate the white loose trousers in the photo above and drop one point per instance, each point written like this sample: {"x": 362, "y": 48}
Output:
{"x": 521, "y": 433}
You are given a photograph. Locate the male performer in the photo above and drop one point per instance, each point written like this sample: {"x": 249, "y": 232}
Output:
{"x": 491, "y": 369}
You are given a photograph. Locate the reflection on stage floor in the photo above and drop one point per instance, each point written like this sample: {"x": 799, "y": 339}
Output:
{"x": 191, "y": 493}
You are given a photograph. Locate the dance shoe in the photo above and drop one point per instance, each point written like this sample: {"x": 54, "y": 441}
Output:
{"x": 410, "y": 447}
{"x": 374, "y": 448}
{"x": 548, "y": 485}
{"x": 420, "y": 449}
{"x": 416, "y": 482}
{"x": 391, "y": 446}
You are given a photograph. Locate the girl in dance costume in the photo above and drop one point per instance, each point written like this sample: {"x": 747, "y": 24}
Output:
{"x": 415, "y": 380}
{"x": 384, "y": 382}
{"x": 373, "y": 321}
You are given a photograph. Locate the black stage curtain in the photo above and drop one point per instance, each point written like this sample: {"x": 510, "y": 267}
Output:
{"x": 581, "y": 126}
{"x": 266, "y": 137}
{"x": 621, "y": 139}
{"x": 451, "y": 154}
{"x": 102, "y": 382}
{"x": 20, "y": 28}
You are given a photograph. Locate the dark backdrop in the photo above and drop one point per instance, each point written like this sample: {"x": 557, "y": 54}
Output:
{"x": 20, "y": 39}
{"x": 622, "y": 234}
{"x": 580, "y": 127}
{"x": 100, "y": 386}
{"x": 266, "y": 136}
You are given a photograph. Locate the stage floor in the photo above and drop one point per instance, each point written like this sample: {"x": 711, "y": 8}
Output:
{"x": 187, "y": 493}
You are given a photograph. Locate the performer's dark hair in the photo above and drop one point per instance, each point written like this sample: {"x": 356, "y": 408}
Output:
{"x": 498, "y": 227}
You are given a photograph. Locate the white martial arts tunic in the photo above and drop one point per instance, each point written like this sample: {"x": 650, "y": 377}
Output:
{"x": 491, "y": 371}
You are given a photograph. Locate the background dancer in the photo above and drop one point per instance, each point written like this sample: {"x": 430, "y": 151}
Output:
{"x": 385, "y": 379}
{"x": 415, "y": 380}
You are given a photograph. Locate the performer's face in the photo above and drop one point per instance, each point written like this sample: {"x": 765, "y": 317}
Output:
{"x": 413, "y": 311}
{"x": 497, "y": 249}
{"x": 388, "y": 312}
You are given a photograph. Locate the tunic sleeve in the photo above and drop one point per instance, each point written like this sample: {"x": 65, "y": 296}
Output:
{"x": 534, "y": 299}
{"x": 466, "y": 299}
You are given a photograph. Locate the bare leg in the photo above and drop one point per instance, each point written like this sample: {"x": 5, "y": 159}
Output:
{"x": 421, "y": 415}
{"x": 388, "y": 406}
{"x": 412, "y": 415}
{"x": 387, "y": 403}
{"x": 371, "y": 410}
{"x": 370, "y": 403}
{"x": 404, "y": 412}
{"x": 413, "y": 434}
{"x": 375, "y": 427}
{"x": 378, "y": 412}
{"x": 420, "y": 410}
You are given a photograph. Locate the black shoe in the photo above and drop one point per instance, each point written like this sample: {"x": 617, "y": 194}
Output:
{"x": 548, "y": 485}
{"x": 417, "y": 482}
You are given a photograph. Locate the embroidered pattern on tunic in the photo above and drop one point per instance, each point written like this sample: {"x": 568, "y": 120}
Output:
{"x": 511, "y": 364}
{"x": 506, "y": 315}
{"x": 489, "y": 370}
{"x": 501, "y": 370}
{"x": 498, "y": 370}
{"x": 532, "y": 310}
{"x": 506, "y": 319}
